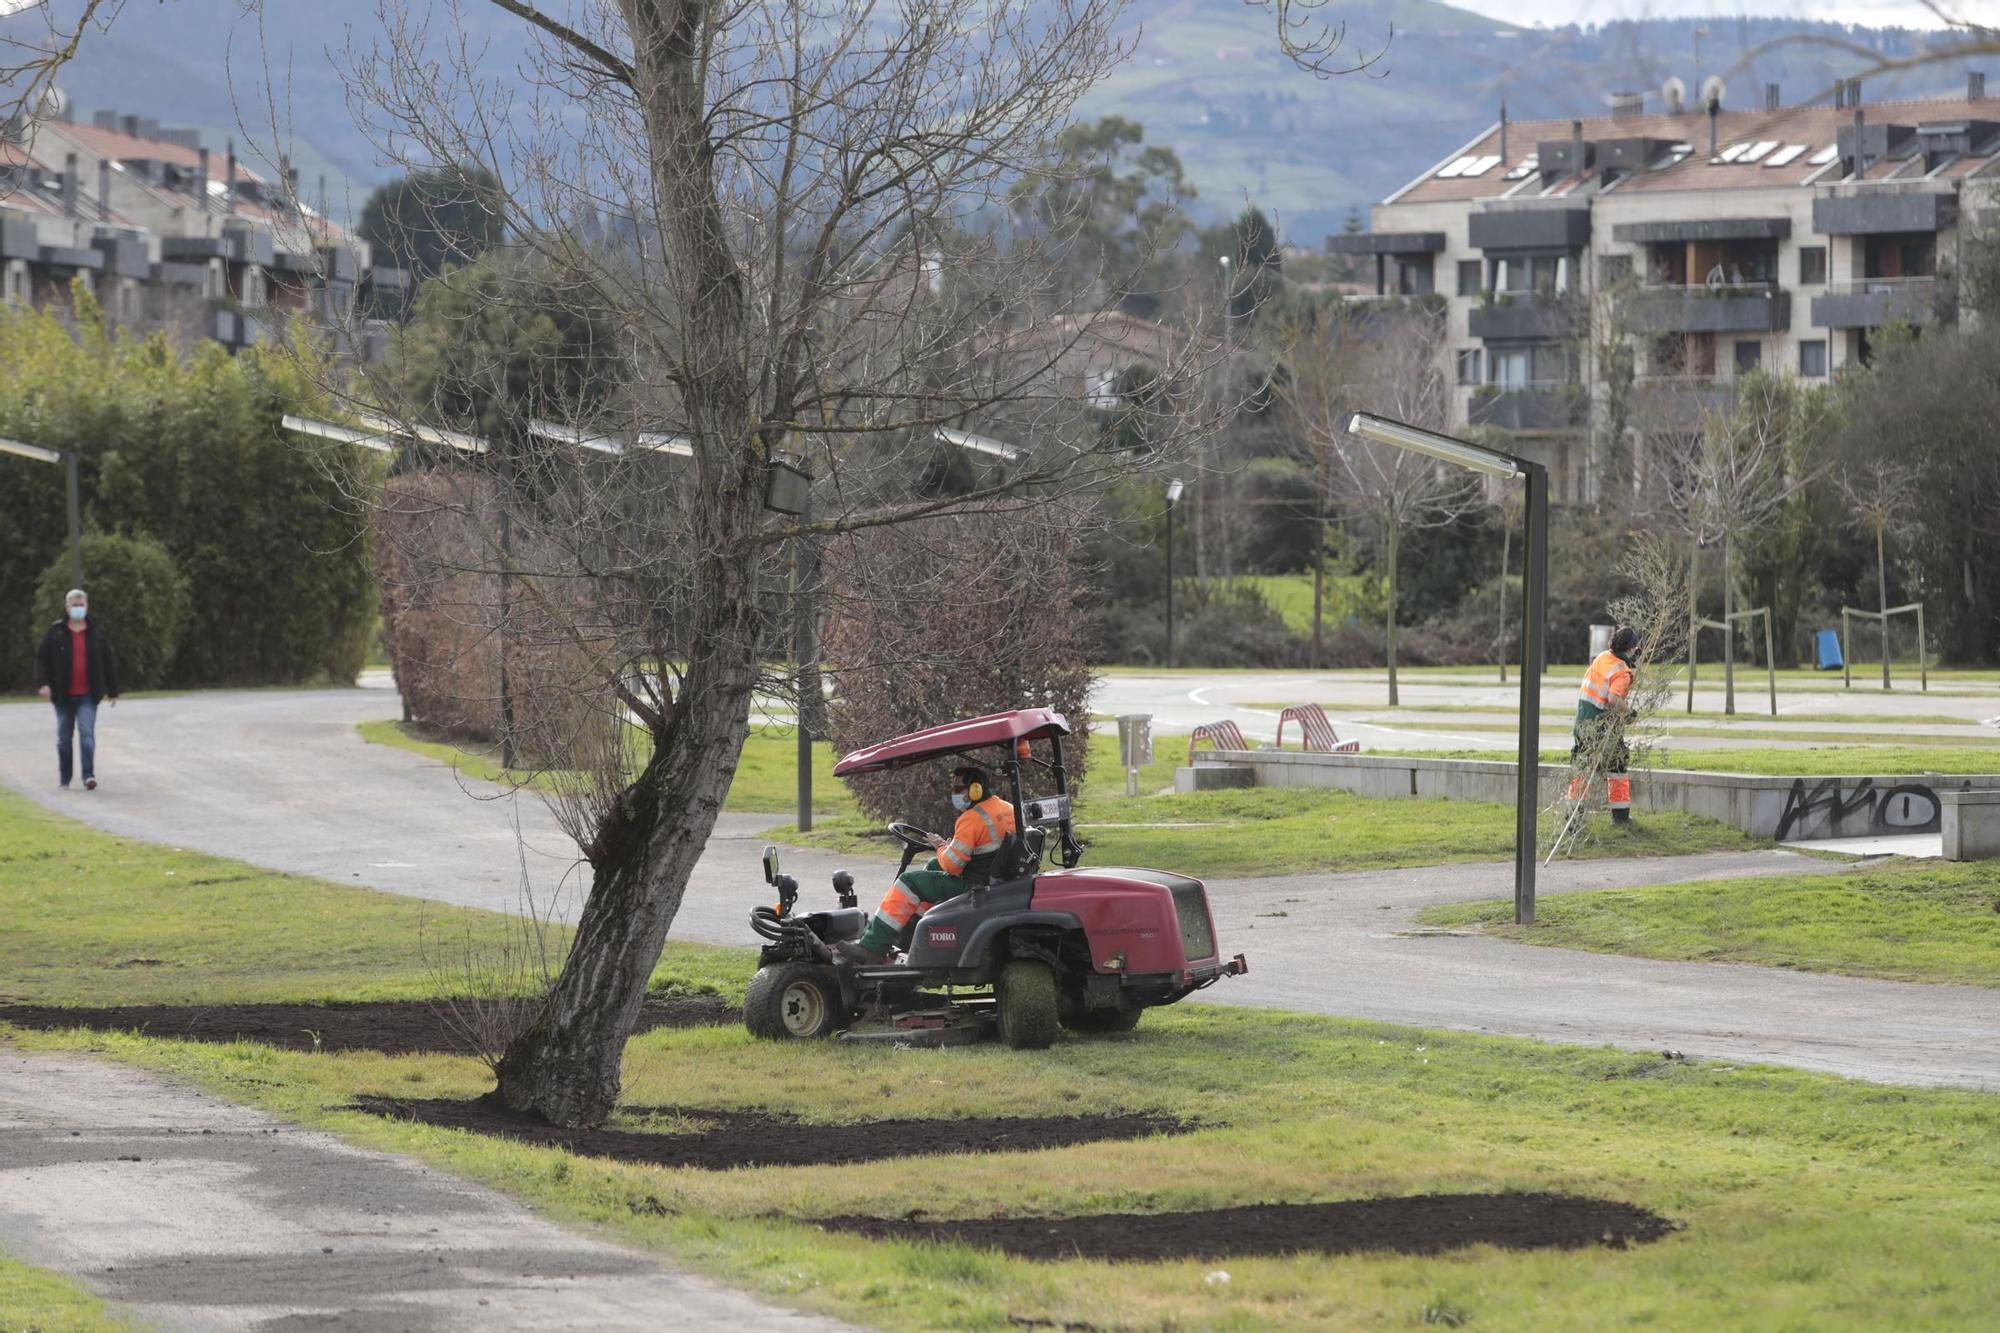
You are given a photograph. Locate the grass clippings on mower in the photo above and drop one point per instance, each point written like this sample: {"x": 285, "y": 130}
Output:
{"x": 1420, "y": 1224}
{"x": 763, "y": 1138}
{"x": 392, "y": 1027}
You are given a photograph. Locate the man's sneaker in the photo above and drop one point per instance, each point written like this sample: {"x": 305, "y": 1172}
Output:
{"x": 854, "y": 951}
{"x": 90, "y": 784}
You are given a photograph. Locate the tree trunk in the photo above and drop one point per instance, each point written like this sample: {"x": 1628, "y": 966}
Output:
{"x": 1393, "y": 534}
{"x": 1694, "y": 614}
{"x": 566, "y": 1067}
{"x": 1728, "y": 624}
{"x": 1882, "y": 603}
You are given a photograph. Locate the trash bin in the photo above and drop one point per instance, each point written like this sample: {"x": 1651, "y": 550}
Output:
{"x": 1828, "y": 641}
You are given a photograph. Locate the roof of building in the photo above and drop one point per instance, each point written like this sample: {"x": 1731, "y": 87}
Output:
{"x": 1754, "y": 150}
{"x": 122, "y": 147}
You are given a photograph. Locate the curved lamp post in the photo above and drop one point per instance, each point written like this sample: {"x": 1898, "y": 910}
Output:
{"x": 1534, "y": 600}
{"x": 1174, "y": 489}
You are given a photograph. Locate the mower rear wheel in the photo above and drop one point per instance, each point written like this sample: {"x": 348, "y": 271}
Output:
{"x": 793, "y": 1001}
{"x": 1027, "y": 993}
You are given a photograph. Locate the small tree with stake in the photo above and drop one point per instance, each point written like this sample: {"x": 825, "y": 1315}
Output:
{"x": 1347, "y": 358}
{"x": 1880, "y": 493}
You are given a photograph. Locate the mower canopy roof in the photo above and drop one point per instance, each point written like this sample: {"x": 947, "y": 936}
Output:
{"x": 1027, "y": 724}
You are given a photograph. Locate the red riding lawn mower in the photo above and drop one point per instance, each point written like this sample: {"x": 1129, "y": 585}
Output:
{"x": 1022, "y": 953}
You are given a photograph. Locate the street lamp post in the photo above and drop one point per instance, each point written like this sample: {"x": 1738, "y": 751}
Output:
{"x": 67, "y": 457}
{"x": 1534, "y": 600}
{"x": 1174, "y": 489}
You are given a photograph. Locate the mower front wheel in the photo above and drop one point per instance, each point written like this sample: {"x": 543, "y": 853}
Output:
{"x": 793, "y": 1001}
{"x": 1027, "y": 1004}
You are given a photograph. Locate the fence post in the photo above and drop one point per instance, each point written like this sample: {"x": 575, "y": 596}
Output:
{"x": 1770, "y": 662}
{"x": 1923, "y": 661}
{"x": 1846, "y": 658}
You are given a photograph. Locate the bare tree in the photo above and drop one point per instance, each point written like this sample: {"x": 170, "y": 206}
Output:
{"x": 1391, "y": 362}
{"x": 779, "y": 211}
{"x": 1742, "y": 467}
{"x": 1880, "y": 493}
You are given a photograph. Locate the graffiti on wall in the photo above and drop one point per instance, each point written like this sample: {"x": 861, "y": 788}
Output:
{"x": 1843, "y": 808}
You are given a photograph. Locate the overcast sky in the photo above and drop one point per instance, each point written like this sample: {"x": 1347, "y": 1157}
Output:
{"x": 1875, "y": 13}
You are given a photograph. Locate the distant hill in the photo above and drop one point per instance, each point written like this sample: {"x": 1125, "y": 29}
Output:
{"x": 1207, "y": 78}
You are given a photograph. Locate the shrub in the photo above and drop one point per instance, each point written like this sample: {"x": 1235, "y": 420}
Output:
{"x": 999, "y": 630}
{"x": 444, "y": 627}
{"x": 135, "y": 591}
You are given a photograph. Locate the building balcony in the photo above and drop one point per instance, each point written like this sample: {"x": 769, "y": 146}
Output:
{"x": 1520, "y": 316}
{"x": 1741, "y": 308}
{"x": 1535, "y": 405}
{"x": 1678, "y": 402}
{"x": 1870, "y": 303}
{"x": 1865, "y": 209}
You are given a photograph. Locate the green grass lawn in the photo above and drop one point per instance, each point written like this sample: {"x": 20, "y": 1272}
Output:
{"x": 1923, "y": 921}
{"x": 95, "y": 919}
{"x": 33, "y": 1300}
{"x": 1805, "y": 1201}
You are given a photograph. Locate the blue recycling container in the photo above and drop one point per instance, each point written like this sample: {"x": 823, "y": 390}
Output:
{"x": 1829, "y": 650}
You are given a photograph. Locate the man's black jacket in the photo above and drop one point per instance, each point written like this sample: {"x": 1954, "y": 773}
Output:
{"x": 52, "y": 661}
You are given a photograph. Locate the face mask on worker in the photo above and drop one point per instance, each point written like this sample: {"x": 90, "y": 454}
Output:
{"x": 78, "y": 612}
{"x": 958, "y": 801}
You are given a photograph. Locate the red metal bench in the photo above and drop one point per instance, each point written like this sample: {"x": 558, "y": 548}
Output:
{"x": 1316, "y": 731}
{"x": 1221, "y": 735}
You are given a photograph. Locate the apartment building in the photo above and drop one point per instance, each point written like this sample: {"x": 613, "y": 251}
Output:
{"x": 1655, "y": 256}
{"x": 168, "y": 234}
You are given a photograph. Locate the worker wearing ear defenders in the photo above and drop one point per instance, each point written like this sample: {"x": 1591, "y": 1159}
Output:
{"x": 985, "y": 819}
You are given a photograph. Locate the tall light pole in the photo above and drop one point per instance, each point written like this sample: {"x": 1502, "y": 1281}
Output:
{"x": 1534, "y": 600}
{"x": 1173, "y": 494}
{"x": 67, "y": 458}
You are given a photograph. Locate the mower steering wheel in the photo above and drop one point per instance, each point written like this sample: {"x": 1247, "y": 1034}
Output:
{"x": 911, "y": 837}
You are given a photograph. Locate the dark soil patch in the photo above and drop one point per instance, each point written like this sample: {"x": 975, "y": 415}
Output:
{"x": 401, "y": 1027}
{"x": 1424, "y": 1224}
{"x": 762, "y": 1138}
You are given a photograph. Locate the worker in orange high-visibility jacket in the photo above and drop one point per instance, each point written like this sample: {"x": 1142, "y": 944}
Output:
{"x": 962, "y": 860}
{"x": 1602, "y": 705}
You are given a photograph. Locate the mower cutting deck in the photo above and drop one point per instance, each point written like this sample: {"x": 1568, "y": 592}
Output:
{"x": 1021, "y": 956}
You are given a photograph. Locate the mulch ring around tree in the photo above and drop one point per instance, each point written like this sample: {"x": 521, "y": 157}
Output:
{"x": 764, "y": 1138}
{"x": 400, "y": 1027}
{"x": 1422, "y": 1224}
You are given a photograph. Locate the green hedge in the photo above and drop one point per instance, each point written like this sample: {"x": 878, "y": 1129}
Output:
{"x": 184, "y": 449}
{"x": 136, "y": 594}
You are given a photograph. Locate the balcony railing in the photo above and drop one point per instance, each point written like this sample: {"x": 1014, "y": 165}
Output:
{"x": 1519, "y": 316}
{"x": 1527, "y": 405}
{"x": 1679, "y": 402}
{"x": 1747, "y": 307}
{"x": 1869, "y": 303}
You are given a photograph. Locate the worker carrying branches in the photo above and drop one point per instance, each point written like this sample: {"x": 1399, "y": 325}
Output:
{"x": 1603, "y": 704}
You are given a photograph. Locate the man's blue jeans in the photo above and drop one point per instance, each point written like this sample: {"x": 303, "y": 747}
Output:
{"x": 76, "y": 713}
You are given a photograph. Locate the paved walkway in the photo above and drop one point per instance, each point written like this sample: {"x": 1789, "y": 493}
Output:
{"x": 281, "y": 779}
{"x": 196, "y": 1214}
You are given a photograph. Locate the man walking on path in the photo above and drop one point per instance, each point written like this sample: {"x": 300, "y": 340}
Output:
{"x": 1601, "y": 707}
{"x": 75, "y": 671}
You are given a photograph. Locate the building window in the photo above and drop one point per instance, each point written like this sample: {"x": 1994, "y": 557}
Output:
{"x": 1512, "y": 367}
{"x": 1612, "y": 269}
{"x": 1749, "y": 355}
{"x": 1812, "y": 358}
{"x": 1413, "y": 277}
{"x": 1812, "y": 265}
{"x": 1468, "y": 277}
{"x": 1468, "y": 366}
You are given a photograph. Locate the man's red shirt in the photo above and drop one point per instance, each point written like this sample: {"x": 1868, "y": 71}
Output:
{"x": 79, "y": 661}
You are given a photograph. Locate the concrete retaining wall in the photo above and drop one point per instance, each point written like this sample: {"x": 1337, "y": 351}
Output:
{"x": 1784, "y": 808}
